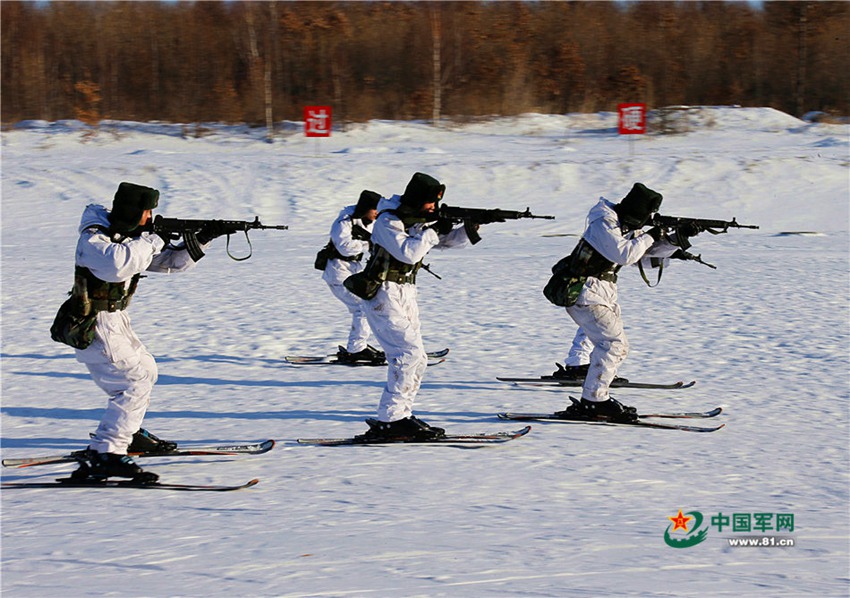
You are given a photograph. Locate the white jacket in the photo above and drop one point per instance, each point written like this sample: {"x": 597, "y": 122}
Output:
{"x": 605, "y": 234}
{"x": 119, "y": 262}
{"x": 338, "y": 270}
{"x": 411, "y": 245}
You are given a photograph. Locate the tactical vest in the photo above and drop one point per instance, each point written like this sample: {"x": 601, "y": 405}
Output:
{"x": 382, "y": 266}
{"x": 96, "y": 295}
{"x": 586, "y": 261}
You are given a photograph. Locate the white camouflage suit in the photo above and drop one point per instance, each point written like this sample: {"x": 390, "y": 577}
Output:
{"x": 338, "y": 270}
{"x": 600, "y": 339}
{"x": 393, "y": 313}
{"x": 118, "y": 361}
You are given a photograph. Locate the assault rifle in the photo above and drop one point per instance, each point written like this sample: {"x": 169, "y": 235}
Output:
{"x": 715, "y": 227}
{"x": 693, "y": 226}
{"x": 484, "y": 216}
{"x": 174, "y": 228}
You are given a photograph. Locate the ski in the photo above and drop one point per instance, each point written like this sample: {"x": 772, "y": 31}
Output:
{"x": 640, "y": 423}
{"x": 235, "y": 449}
{"x": 671, "y": 415}
{"x": 487, "y": 438}
{"x": 435, "y": 357}
{"x": 548, "y": 381}
{"x": 71, "y": 483}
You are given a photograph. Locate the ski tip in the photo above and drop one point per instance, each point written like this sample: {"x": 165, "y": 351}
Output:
{"x": 253, "y": 482}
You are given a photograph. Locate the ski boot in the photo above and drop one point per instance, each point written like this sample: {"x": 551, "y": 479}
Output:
{"x": 409, "y": 428}
{"x": 570, "y": 372}
{"x": 97, "y": 467}
{"x": 577, "y": 373}
{"x": 611, "y": 410}
{"x": 145, "y": 442}
{"x": 575, "y": 410}
{"x": 369, "y": 355}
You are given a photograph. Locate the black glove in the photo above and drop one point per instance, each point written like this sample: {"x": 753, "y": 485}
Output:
{"x": 360, "y": 234}
{"x": 167, "y": 236}
{"x": 688, "y": 230}
{"x": 655, "y": 232}
{"x": 211, "y": 230}
{"x": 443, "y": 226}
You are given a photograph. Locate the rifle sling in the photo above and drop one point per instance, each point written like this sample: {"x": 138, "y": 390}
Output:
{"x": 646, "y": 279}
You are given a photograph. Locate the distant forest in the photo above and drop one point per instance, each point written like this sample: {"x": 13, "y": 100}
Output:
{"x": 262, "y": 62}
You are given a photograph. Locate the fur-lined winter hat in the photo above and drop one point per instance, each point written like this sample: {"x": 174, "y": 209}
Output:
{"x": 636, "y": 207}
{"x": 422, "y": 189}
{"x": 129, "y": 204}
{"x": 368, "y": 201}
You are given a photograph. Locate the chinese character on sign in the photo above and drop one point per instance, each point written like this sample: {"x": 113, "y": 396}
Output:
{"x": 317, "y": 121}
{"x": 632, "y": 119}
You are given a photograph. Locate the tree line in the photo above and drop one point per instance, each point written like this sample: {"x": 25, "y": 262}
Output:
{"x": 262, "y": 62}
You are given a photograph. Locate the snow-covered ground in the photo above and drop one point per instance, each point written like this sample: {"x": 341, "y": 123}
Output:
{"x": 569, "y": 510}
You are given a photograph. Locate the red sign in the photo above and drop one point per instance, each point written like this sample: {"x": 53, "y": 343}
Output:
{"x": 632, "y": 119}
{"x": 317, "y": 121}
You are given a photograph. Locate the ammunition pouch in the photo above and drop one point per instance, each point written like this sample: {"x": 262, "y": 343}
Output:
{"x": 563, "y": 287}
{"x": 325, "y": 253}
{"x": 382, "y": 267}
{"x": 571, "y": 272}
{"x": 74, "y": 324}
{"x": 362, "y": 285}
{"x": 330, "y": 252}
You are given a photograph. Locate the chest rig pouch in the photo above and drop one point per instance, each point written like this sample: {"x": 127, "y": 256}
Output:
{"x": 383, "y": 267}
{"x": 74, "y": 324}
{"x": 76, "y": 319}
{"x": 571, "y": 272}
{"x": 330, "y": 252}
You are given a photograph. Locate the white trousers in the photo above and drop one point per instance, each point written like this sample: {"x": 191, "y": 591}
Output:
{"x": 120, "y": 365}
{"x": 580, "y": 350}
{"x": 358, "y": 335}
{"x": 601, "y": 328}
{"x": 393, "y": 315}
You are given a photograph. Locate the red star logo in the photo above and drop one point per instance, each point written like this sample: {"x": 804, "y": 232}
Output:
{"x": 680, "y": 521}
